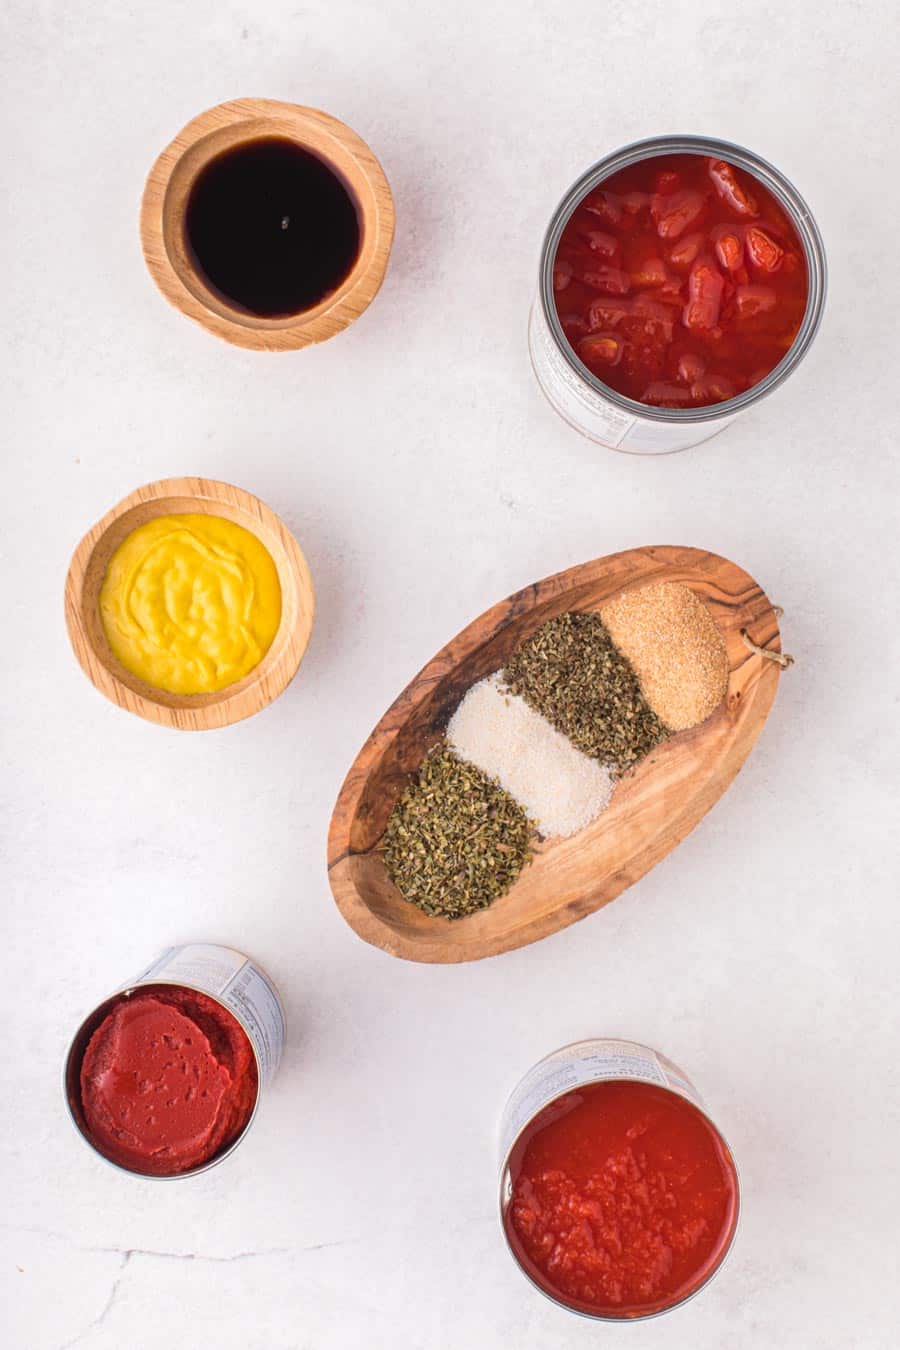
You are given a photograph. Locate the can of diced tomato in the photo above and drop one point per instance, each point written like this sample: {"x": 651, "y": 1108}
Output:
{"x": 619, "y": 1196}
{"x": 164, "y": 1077}
{"x": 669, "y": 305}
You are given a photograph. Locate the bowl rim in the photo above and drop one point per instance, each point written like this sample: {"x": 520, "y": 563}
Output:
{"x": 191, "y": 712}
{"x": 168, "y": 256}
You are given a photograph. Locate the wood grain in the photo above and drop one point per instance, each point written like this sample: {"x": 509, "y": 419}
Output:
{"x": 652, "y": 809}
{"x": 171, "y": 262}
{"x": 189, "y": 712}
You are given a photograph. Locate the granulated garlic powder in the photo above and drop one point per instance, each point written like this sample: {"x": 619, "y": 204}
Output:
{"x": 558, "y": 787}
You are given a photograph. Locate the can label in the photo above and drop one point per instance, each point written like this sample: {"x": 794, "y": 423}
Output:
{"x": 597, "y": 417}
{"x": 238, "y": 984}
{"x": 586, "y": 1062}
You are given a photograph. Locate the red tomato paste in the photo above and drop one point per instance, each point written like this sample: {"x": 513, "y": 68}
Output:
{"x": 680, "y": 281}
{"x": 624, "y": 1198}
{"x": 168, "y": 1080}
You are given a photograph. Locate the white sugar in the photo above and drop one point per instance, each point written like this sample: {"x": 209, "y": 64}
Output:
{"x": 560, "y": 788}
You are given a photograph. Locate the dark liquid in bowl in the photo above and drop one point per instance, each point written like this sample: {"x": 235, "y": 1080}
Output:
{"x": 272, "y": 227}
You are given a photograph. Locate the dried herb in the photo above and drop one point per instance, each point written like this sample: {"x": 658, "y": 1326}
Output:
{"x": 571, "y": 671}
{"x": 455, "y": 840}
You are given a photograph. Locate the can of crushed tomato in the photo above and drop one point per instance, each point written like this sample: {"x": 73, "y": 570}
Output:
{"x": 623, "y": 421}
{"x": 163, "y": 1078}
{"x": 619, "y": 1197}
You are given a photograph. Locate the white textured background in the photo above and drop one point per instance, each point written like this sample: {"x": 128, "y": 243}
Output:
{"x": 426, "y": 478}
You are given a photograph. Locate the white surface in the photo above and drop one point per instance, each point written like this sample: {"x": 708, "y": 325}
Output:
{"x": 426, "y": 478}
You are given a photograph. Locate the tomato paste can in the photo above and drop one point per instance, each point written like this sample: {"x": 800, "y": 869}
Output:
{"x": 563, "y": 1072}
{"x": 603, "y": 414}
{"x": 229, "y": 978}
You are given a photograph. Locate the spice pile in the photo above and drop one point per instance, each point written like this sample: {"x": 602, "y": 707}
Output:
{"x": 538, "y": 747}
{"x": 455, "y": 840}
{"x": 672, "y": 642}
{"x": 561, "y": 789}
{"x": 570, "y": 671}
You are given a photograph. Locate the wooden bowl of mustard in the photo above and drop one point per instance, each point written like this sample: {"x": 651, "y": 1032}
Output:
{"x": 190, "y": 603}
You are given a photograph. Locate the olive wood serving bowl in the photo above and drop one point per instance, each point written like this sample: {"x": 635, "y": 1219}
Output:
{"x": 170, "y": 258}
{"x": 189, "y": 712}
{"x": 652, "y": 809}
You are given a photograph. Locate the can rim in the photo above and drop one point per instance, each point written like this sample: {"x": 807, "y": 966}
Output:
{"x": 78, "y": 1044}
{"x": 625, "y": 1078}
{"x": 785, "y": 193}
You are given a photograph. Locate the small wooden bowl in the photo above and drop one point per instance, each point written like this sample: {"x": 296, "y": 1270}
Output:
{"x": 170, "y": 258}
{"x": 189, "y": 712}
{"x": 652, "y": 809}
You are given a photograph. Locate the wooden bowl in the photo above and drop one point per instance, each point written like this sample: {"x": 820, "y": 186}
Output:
{"x": 170, "y": 258}
{"x": 189, "y": 712}
{"x": 652, "y": 809}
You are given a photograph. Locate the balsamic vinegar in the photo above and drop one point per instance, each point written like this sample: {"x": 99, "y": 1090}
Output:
{"x": 272, "y": 227}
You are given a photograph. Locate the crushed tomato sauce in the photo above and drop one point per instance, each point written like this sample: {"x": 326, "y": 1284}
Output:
{"x": 680, "y": 281}
{"x": 624, "y": 1198}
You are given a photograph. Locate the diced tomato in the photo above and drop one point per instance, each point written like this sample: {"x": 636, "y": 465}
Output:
{"x": 644, "y": 329}
{"x": 634, "y": 202}
{"x": 712, "y": 389}
{"x": 690, "y": 367}
{"x": 677, "y": 213}
{"x": 721, "y": 387}
{"x": 686, "y": 250}
{"x": 651, "y": 273}
{"x": 655, "y": 320}
{"x": 705, "y": 287}
{"x": 562, "y": 274}
{"x": 649, "y": 308}
{"x": 605, "y": 245}
{"x": 660, "y": 394}
{"x": 600, "y": 349}
{"x": 607, "y": 313}
{"x": 752, "y": 300}
{"x": 609, "y": 280}
{"x": 668, "y": 294}
{"x": 606, "y": 206}
{"x": 667, "y": 182}
{"x": 729, "y": 246}
{"x": 764, "y": 253}
{"x": 725, "y": 181}
{"x": 643, "y": 359}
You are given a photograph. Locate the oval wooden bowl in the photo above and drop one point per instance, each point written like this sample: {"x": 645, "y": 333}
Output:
{"x": 652, "y": 809}
{"x": 170, "y": 258}
{"x": 189, "y": 712}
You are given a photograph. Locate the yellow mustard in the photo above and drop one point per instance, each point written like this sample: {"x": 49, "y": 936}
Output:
{"x": 190, "y": 603}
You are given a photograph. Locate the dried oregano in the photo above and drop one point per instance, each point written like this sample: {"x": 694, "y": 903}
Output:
{"x": 455, "y": 841}
{"x": 571, "y": 671}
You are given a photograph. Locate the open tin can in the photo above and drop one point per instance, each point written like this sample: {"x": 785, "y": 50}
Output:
{"x": 564, "y": 1072}
{"x": 231, "y": 980}
{"x": 600, "y": 412}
